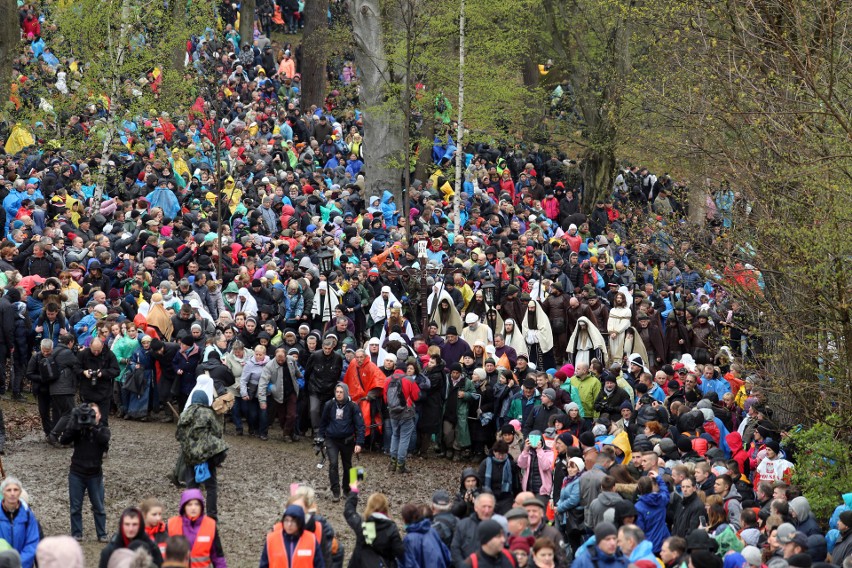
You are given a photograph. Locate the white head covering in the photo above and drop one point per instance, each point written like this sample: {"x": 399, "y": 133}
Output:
{"x": 203, "y": 383}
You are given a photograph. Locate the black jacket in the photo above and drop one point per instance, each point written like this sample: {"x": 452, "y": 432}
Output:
{"x": 107, "y": 364}
{"x": 350, "y": 424}
{"x": 539, "y": 417}
{"x": 90, "y": 444}
{"x": 385, "y": 548}
{"x": 221, "y": 374}
{"x": 140, "y": 541}
{"x": 323, "y": 372}
{"x": 611, "y": 403}
{"x": 68, "y": 367}
{"x": 465, "y": 542}
{"x": 688, "y": 516}
{"x": 7, "y": 322}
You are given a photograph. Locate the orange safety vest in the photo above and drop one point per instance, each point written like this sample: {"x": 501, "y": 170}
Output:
{"x": 277, "y": 554}
{"x": 199, "y": 557}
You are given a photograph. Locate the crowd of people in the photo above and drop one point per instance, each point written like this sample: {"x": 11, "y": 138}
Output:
{"x": 592, "y": 380}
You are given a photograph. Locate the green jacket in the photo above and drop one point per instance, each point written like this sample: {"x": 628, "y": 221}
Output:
{"x": 199, "y": 432}
{"x": 462, "y": 410}
{"x": 516, "y": 406}
{"x": 588, "y": 389}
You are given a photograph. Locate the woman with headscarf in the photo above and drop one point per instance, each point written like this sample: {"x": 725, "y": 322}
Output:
{"x": 538, "y": 336}
{"x": 131, "y": 535}
{"x": 245, "y": 303}
{"x": 139, "y": 386}
{"x": 158, "y": 318}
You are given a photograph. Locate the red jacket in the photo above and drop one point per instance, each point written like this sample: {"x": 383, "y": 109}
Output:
{"x": 410, "y": 391}
{"x": 738, "y": 453}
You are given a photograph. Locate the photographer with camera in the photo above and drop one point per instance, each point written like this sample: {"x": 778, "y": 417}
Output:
{"x": 91, "y": 441}
{"x": 62, "y": 363}
{"x": 100, "y": 368}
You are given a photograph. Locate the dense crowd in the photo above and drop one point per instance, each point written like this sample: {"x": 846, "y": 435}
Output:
{"x": 590, "y": 378}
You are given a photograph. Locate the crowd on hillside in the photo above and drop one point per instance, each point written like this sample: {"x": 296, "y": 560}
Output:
{"x": 592, "y": 379}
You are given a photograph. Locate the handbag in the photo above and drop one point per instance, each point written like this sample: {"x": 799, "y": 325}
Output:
{"x": 224, "y": 403}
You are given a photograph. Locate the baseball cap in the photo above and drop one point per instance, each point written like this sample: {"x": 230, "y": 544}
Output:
{"x": 441, "y": 497}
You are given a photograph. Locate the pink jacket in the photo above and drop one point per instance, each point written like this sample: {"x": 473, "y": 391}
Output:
{"x": 545, "y": 468}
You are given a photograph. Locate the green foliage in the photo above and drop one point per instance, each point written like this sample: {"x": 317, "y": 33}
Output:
{"x": 823, "y": 464}
{"x": 496, "y": 99}
{"x": 114, "y": 50}
{"x": 749, "y": 95}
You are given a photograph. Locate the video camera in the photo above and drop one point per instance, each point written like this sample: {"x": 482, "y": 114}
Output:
{"x": 83, "y": 416}
{"x": 320, "y": 451}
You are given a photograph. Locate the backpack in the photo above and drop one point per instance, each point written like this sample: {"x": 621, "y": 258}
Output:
{"x": 49, "y": 370}
{"x": 444, "y": 530}
{"x": 396, "y": 398}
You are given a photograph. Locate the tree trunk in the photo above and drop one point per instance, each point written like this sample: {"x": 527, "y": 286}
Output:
{"x": 424, "y": 153}
{"x": 383, "y": 123}
{"x": 247, "y": 15}
{"x": 10, "y": 37}
{"x": 460, "y": 131}
{"x": 597, "y": 168}
{"x": 178, "y": 23}
{"x": 314, "y": 53}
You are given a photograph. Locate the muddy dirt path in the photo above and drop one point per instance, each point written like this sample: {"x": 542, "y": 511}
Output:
{"x": 253, "y": 483}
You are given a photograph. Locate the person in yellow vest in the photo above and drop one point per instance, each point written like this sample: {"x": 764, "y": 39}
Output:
{"x": 200, "y": 530}
{"x": 289, "y": 545}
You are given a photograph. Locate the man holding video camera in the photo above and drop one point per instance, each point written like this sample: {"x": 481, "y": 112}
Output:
{"x": 91, "y": 442}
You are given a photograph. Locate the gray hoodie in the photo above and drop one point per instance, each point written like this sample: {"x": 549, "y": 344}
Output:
{"x": 605, "y": 500}
{"x": 734, "y": 507}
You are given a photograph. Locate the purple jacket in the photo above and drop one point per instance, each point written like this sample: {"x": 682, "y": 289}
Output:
{"x": 190, "y": 528}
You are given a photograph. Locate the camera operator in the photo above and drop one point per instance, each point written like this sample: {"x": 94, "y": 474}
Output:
{"x": 91, "y": 442}
{"x": 100, "y": 368}
{"x": 64, "y": 389}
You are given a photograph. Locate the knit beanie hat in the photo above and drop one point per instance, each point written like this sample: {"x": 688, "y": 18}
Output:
{"x": 488, "y": 530}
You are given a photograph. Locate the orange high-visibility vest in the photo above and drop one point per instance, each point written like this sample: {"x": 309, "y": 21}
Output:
{"x": 276, "y": 553}
{"x": 199, "y": 557}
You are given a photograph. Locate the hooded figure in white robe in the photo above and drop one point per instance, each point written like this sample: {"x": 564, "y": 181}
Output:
{"x": 586, "y": 343}
{"x": 633, "y": 344}
{"x": 515, "y": 337}
{"x": 538, "y": 336}
{"x": 246, "y": 303}
{"x": 324, "y": 304}
{"x": 446, "y": 315}
{"x": 381, "y": 306}
{"x": 203, "y": 383}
